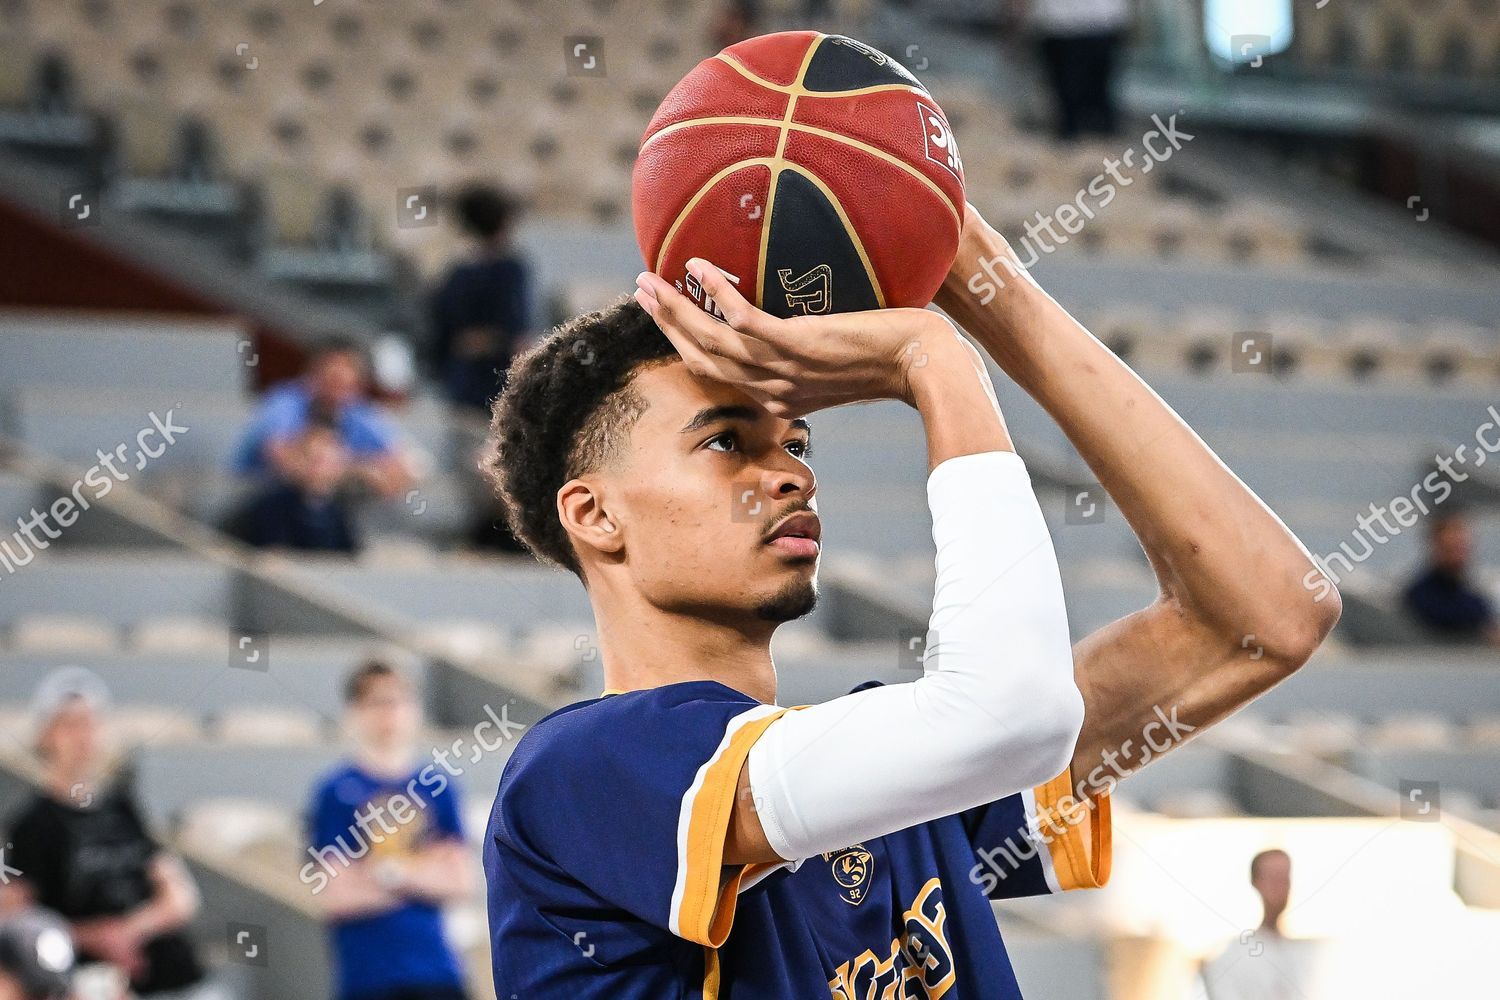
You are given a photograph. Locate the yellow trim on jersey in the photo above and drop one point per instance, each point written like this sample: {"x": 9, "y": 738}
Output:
{"x": 710, "y": 973}
{"x": 1065, "y": 823}
{"x": 708, "y": 899}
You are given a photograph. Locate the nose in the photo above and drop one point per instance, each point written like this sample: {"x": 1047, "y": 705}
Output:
{"x": 787, "y": 478}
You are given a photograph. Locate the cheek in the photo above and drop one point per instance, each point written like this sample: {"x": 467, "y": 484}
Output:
{"x": 686, "y": 510}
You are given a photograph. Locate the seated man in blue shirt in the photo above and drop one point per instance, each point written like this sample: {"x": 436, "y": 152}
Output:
{"x": 1444, "y": 598}
{"x": 388, "y": 850}
{"x": 333, "y": 389}
{"x": 307, "y": 512}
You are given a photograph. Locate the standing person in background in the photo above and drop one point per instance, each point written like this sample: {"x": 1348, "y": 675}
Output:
{"x": 333, "y": 390}
{"x": 1444, "y": 599}
{"x": 84, "y": 852}
{"x": 389, "y": 879}
{"x": 1080, "y": 42}
{"x": 1264, "y": 964}
{"x": 481, "y": 312}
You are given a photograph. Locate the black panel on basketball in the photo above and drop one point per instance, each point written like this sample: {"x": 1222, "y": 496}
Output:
{"x": 841, "y": 63}
{"x": 812, "y": 265}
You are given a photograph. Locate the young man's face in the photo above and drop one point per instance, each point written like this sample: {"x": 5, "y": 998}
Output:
{"x": 73, "y": 739}
{"x": 324, "y": 462}
{"x": 702, "y": 486}
{"x": 1273, "y": 880}
{"x": 386, "y": 715}
{"x": 338, "y": 377}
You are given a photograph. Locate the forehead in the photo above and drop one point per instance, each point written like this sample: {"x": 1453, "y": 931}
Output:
{"x": 1275, "y": 864}
{"x": 385, "y": 686}
{"x": 675, "y": 395}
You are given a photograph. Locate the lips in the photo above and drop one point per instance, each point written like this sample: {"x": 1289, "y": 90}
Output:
{"x": 799, "y": 534}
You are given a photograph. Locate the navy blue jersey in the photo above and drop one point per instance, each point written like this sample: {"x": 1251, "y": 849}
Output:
{"x": 604, "y": 863}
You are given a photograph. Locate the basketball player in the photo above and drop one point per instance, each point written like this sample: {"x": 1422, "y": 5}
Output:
{"x": 685, "y": 836}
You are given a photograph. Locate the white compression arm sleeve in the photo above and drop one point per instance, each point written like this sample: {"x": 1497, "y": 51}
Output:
{"x": 995, "y": 712}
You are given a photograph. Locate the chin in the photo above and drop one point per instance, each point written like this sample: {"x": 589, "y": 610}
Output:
{"x": 794, "y": 600}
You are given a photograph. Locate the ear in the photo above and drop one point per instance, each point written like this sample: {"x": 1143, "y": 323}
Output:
{"x": 581, "y": 508}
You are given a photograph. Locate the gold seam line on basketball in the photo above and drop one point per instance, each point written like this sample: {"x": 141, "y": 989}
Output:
{"x": 853, "y": 143}
{"x": 779, "y": 165}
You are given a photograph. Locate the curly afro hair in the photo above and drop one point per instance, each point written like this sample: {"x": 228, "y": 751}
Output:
{"x": 567, "y": 403}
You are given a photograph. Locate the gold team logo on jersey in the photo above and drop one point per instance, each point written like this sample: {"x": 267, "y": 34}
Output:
{"x": 852, "y": 869}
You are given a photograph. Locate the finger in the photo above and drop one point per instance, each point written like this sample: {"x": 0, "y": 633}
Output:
{"x": 699, "y": 361}
{"x": 711, "y": 336}
{"x": 736, "y": 309}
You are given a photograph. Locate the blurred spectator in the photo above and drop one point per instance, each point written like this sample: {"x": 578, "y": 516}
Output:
{"x": 386, "y": 889}
{"x": 84, "y": 853}
{"x": 490, "y": 529}
{"x": 1080, "y": 42}
{"x": 481, "y": 312}
{"x": 306, "y": 510}
{"x": 737, "y": 20}
{"x": 1263, "y": 964}
{"x": 36, "y": 957}
{"x": 1443, "y": 598}
{"x": 332, "y": 390}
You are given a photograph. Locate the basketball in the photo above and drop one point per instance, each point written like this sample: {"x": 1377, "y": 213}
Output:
{"x": 813, "y": 169}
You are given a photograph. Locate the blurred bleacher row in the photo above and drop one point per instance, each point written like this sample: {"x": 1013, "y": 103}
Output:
{"x": 287, "y": 132}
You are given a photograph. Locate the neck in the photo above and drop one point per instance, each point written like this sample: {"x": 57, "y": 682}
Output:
{"x": 645, "y": 647}
{"x": 385, "y": 762}
{"x": 62, "y": 782}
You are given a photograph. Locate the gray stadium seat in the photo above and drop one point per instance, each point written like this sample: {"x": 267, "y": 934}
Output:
{"x": 306, "y": 676}
{"x": 118, "y": 590}
{"x": 148, "y": 354}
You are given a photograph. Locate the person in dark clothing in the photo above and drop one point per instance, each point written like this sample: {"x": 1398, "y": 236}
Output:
{"x": 84, "y": 853}
{"x": 1080, "y": 42}
{"x": 482, "y": 310}
{"x": 304, "y": 511}
{"x": 1443, "y": 598}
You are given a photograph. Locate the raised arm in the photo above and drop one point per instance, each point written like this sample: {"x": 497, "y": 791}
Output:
{"x": 998, "y": 684}
{"x": 1242, "y": 604}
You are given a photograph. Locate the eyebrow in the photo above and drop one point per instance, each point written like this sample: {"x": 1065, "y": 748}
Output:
{"x": 714, "y": 414}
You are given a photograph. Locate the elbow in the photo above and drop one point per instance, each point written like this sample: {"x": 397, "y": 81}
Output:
{"x": 1051, "y": 735}
{"x": 1065, "y": 727}
{"x": 1305, "y": 621}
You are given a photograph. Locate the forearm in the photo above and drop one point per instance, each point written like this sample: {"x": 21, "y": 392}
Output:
{"x": 440, "y": 874}
{"x": 174, "y": 903}
{"x": 354, "y": 893}
{"x": 1221, "y": 555}
{"x": 951, "y": 389}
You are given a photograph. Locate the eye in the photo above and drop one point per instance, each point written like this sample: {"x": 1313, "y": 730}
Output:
{"x": 799, "y": 448}
{"x": 728, "y": 440}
